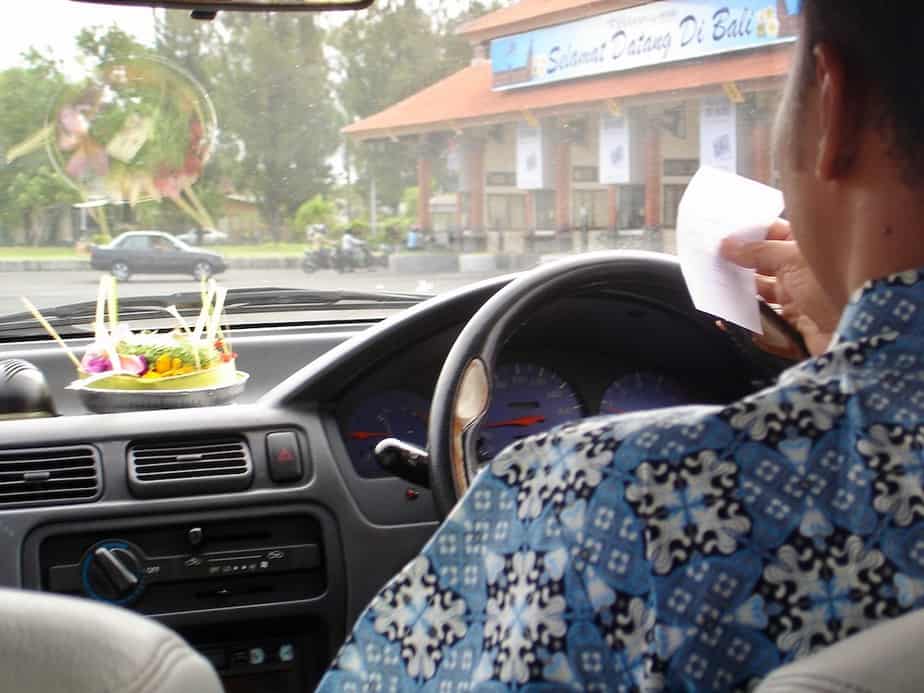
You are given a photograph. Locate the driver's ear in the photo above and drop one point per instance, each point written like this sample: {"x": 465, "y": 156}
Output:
{"x": 837, "y": 115}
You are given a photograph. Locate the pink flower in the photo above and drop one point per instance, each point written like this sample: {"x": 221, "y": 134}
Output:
{"x": 73, "y": 121}
{"x": 89, "y": 157}
{"x": 95, "y": 361}
{"x": 136, "y": 365}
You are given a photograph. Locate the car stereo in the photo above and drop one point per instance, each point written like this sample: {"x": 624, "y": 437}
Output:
{"x": 196, "y": 572}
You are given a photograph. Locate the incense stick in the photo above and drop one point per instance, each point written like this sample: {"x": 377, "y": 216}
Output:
{"x": 179, "y": 318}
{"x": 186, "y": 329}
{"x": 202, "y": 321}
{"x": 52, "y": 331}
{"x": 113, "y": 301}
{"x": 100, "y": 324}
{"x": 102, "y": 334}
{"x": 215, "y": 318}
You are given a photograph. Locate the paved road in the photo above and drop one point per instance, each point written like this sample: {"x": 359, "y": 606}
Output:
{"x": 55, "y": 288}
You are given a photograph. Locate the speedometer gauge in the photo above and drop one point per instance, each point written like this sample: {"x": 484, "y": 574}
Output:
{"x": 527, "y": 399}
{"x": 389, "y": 414}
{"x": 640, "y": 392}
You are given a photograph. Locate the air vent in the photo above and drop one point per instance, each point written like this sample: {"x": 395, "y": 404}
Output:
{"x": 49, "y": 476}
{"x": 158, "y": 469}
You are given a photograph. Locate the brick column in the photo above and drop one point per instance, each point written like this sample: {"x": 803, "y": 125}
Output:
{"x": 474, "y": 161}
{"x": 424, "y": 181}
{"x": 760, "y": 150}
{"x": 653, "y": 177}
{"x": 563, "y": 186}
{"x": 612, "y": 204}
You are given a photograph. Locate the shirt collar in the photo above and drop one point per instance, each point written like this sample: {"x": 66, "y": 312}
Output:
{"x": 892, "y": 305}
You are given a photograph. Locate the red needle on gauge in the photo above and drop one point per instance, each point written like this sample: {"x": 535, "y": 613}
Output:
{"x": 366, "y": 435}
{"x": 523, "y": 422}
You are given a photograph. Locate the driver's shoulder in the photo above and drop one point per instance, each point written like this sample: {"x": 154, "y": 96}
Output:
{"x": 670, "y": 434}
{"x": 586, "y": 448}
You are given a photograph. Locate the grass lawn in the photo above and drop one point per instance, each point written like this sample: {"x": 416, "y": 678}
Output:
{"x": 62, "y": 253}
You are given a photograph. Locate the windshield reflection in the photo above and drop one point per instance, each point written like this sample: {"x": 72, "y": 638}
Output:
{"x": 412, "y": 147}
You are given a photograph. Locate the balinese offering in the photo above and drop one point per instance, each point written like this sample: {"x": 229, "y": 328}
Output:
{"x": 125, "y": 369}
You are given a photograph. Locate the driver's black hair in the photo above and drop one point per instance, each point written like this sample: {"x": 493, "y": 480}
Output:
{"x": 882, "y": 46}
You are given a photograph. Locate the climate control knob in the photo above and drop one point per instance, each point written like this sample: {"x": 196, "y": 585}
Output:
{"x": 112, "y": 572}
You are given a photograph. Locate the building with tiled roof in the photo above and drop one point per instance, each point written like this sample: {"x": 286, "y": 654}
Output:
{"x": 596, "y": 113}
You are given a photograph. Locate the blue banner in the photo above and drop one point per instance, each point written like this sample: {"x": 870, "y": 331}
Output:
{"x": 652, "y": 34}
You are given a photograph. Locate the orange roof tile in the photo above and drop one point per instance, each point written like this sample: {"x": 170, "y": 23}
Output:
{"x": 465, "y": 98}
{"x": 530, "y": 14}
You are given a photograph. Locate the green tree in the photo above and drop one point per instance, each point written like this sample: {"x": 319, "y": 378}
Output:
{"x": 409, "y": 200}
{"x": 104, "y": 44}
{"x": 317, "y": 210}
{"x": 386, "y": 54}
{"x": 30, "y": 191}
{"x": 273, "y": 95}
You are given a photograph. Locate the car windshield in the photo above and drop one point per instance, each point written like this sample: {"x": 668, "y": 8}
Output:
{"x": 414, "y": 147}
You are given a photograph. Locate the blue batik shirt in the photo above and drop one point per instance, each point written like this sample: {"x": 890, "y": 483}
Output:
{"x": 691, "y": 549}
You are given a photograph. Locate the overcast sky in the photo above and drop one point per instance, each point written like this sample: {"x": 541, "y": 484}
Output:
{"x": 53, "y": 24}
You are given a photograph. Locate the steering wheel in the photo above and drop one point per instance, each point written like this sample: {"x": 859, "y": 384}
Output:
{"x": 463, "y": 390}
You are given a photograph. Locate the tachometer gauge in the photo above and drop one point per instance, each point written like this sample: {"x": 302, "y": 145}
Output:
{"x": 390, "y": 414}
{"x": 527, "y": 399}
{"x": 640, "y": 392}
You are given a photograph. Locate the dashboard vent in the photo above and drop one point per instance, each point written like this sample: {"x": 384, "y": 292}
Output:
{"x": 158, "y": 469}
{"x": 49, "y": 476}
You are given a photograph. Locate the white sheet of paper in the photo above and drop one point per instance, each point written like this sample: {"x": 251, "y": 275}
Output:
{"x": 715, "y": 206}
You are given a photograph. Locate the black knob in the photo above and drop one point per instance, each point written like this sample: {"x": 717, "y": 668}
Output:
{"x": 24, "y": 391}
{"x": 404, "y": 460}
{"x": 112, "y": 572}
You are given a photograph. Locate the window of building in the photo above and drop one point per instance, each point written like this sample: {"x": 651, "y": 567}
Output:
{"x": 506, "y": 212}
{"x": 672, "y": 195}
{"x": 631, "y": 207}
{"x": 544, "y": 201}
{"x": 594, "y": 204}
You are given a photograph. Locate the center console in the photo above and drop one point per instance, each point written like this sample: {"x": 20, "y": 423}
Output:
{"x": 216, "y": 578}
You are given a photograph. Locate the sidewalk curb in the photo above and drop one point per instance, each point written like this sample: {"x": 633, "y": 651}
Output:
{"x": 258, "y": 262}
{"x": 423, "y": 263}
{"x": 44, "y": 265}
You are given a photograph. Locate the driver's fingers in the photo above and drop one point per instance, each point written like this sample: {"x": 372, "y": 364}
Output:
{"x": 766, "y": 288}
{"x": 779, "y": 230}
{"x": 767, "y": 257}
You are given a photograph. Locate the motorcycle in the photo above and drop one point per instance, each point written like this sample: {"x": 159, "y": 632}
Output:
{"x": 362, "y": 258}
{"x": 316, "y": 259}
{"x": 336, "y": 259}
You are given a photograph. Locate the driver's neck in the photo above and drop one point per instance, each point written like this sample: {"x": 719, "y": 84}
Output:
{"x": 883, "y": 233}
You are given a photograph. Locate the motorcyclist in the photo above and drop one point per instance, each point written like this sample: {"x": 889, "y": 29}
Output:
{"x": 352, "y": 248}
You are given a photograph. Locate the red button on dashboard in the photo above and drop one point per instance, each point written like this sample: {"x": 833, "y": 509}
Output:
{"x": 283, "y": 456}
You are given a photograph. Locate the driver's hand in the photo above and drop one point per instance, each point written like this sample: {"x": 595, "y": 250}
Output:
{"x": 786, "y": 281}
